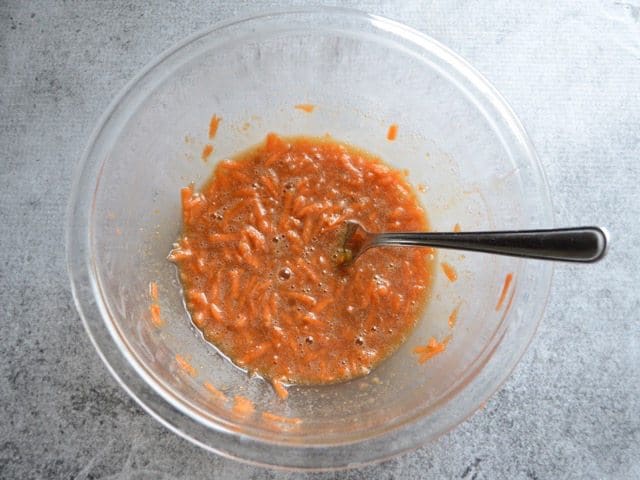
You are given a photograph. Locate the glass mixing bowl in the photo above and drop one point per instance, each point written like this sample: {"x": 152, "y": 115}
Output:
{"x": 466, "y": 152}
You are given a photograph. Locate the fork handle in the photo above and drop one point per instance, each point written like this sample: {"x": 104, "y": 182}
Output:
{"x": 579, "y": 244}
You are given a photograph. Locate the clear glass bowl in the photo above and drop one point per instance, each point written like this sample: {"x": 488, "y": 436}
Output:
{"x": 457, "y": 137}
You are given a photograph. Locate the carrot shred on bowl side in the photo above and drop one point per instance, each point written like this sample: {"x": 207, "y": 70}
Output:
{"x": 156, "y": 318}
{"x": 153, "y": 291}
{"x": 453, "y": 317}
{"x": 305, "y": 107}
{"x": 272, "y": 417}
{"x": 280, "y": 389}
{"x": 430, "y": 350}
{"x": 242, "y": 406}
{"x": 213, "y": 126}
{"x": 449, "y": 271}
{"x": 185, "y": 366}
{"x": 207, "y": 150}
{"x": 505, "y": 289}
{"x": 392, "y": 133}
{"x": 217, "y": 394}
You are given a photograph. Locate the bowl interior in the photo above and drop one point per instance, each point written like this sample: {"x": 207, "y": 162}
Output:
{"x": 468, "y": 159}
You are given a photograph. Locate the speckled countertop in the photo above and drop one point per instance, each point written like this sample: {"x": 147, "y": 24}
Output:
{"x": 571, "y": 71}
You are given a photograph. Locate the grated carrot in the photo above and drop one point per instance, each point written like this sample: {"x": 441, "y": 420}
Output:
{"x": 223, "y": 237}
{"x": 218, "y": 395}
{"x": 392, "y": 133}
{"x": 216, "y": 311}
{"x": 280, "y": 389}
{"x": 207, "y": 150}
{"x": 272, "y": 417}
{"x": 320, "y": 306}
{"x": 235, "y": 284}
{"x": 213, "y": 126}
{"x": 505, "y": 288}
{"x": 305, "y": 107}
{"x": 302, "y": 298}
{"x": 430, "y": 350}
{"x": 269, "y": 185}
{"x": 453, "y": 317}
{"x": 153, "y": 291}
{"x": 242, "y": 406}
{"x": 185, "y": 366}
{"x": 449, "y": 271}
{"x": 155, "y": 315}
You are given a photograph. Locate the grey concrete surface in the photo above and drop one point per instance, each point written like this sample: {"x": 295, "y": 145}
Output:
{"x": 571, "y": 70}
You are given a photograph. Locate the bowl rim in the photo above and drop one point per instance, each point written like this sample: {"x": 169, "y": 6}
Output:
{"x": 85, "y": 287}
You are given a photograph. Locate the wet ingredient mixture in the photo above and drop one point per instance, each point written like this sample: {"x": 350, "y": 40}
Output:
{"x": 258, "y": 260}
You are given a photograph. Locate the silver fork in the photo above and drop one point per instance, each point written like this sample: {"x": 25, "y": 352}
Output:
{"x": 578, "y": 244}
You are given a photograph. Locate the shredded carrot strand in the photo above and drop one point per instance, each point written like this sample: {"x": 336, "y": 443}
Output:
{"x": 505, "y": 289}
{"x": 392, "y": 133}
{"x": 156, "y": 319}
{"x": 207, "y": 150}
{"x": 242, "y": 406}
{"x": 430, "y": 350}
{"x": 453, "y": 317}
{"x": 272, "y": 417}
{"x": 153, "y": 291}
{"x": 185, "y": 366}
{"x": 280, "y": 389}
{"x": 305, "y": 107}
{"x": 213, "y": 126}
{"x": 218, "y": 395}
{"x": 449, "y": 271}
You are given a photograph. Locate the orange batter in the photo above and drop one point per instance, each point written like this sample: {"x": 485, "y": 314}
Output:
{"x": 257, "y": 260}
